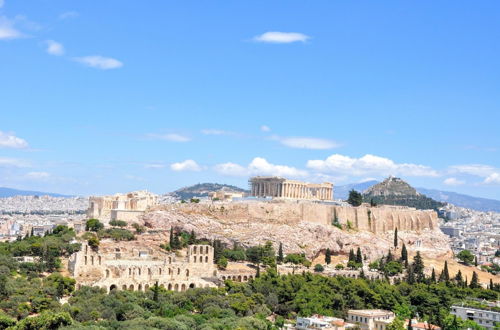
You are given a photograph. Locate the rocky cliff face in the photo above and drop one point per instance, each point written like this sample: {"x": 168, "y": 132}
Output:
{"x": 296, "y": 235}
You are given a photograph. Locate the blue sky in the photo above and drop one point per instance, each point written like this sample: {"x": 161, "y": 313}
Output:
{"x": 106, "y": 96}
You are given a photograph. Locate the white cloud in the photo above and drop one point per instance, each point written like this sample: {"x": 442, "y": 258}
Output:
{"x": 473, "y": 169}
{"x": 265, "y": 128}
{"x": 12, "y": 162}
{"x": 68, "y": 14}
{"x": 37, "y": 175}
{"x": 453, "y": 182}
{"x": 307, "y": 143}
{"x": 9, "y": 140}
{"x": 100, "y": 62}
{"x": 173, "y": 137}
{"x": 368, "y": 165}
{"x": 7, "y": 29}
{"x": 216, "y": 132}
{"x": 259, "y": 166}
{"x": 281, "y": 37}
{"x": 493, "y": 178}
{"x": 54, "y": 48}
{"x": 187, "y": 165}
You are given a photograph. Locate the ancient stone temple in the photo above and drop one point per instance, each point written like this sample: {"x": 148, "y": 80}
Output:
{"x": 120, "y": 206}
{"x": 128, "y": 266}
{"x": 272, "y": 186}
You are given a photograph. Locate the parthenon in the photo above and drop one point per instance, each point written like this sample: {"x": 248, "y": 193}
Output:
{"x": 272, "y": 186}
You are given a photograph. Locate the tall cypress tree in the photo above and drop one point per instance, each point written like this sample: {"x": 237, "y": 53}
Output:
{"x": 156, "y": 290}
{"x": 459, "y": 277}
{"x": 396, "y": 237}
{"x": 359, "y": 256}
{"x": 433, "y": 276}
{"x": 404, "y": 255}
{"x": 171, "y": 238}
{"x": 445, "y": 275}
{"x": 474, "y": 282}
{"x": 410, "y": 277}
{"x": 352, "y": 257}
{"x": 328, "y": 256}
{"x": 389, "y": 257}
{"x": 280, "y": 253}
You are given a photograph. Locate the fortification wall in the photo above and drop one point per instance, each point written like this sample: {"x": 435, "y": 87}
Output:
{"x": 373, "y": 219}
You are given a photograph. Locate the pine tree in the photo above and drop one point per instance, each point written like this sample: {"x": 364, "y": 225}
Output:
{"x": 445, "y": 275}
{"x": 280, "y": 254}
{"x": 359, "y": 256}
{"x": 418, "y": 267}
{"x": 396, "y": 237}
{"x": 474, "y": 282}
{"x": 328, "y": 256}
{"x": 410, "y": 277}
{"x": 404, "y": 255}
{"x": 433, "y": 276}
{"x": 352, "y": 257}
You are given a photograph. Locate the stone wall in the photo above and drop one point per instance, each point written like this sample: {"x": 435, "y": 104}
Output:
{"x": 128, "y": 266}
{"x": 373, "y": 219}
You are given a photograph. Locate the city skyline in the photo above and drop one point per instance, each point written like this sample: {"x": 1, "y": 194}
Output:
{"x": 97, "y": 100}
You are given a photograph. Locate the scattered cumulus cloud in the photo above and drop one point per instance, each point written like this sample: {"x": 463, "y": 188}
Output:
{"x": 54, "y": 48}
{"x": 453, "y": 182}
{"x": 12, "y": 162}
{"x": 281, "y": 37}
{"x": 307, "y": 143}
{"x": 7, "y": 29}
{"x": 173, "y": 137}
{"x": 473, "y": 169}
{"x": 259, "y": 166}
{"x": 187, "y": 165}
{"x": 9, "y": 140}
{"x": 68, "y": 14}
{"x": 368, "y": 165}
{"x": 493, "y": 178}
{"x": 265, "y": 128}
{"x": 99, "y": 62}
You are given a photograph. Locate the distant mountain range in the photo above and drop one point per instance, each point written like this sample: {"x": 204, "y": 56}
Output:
{"x": 10, "y": 192}
{"x": 202, "y": 190}
{"x": 471, "y": 202}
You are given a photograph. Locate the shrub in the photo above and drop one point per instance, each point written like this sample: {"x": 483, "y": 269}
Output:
{"x": 318, "y": 268}
{"x": 339, "y": 266}
{"x": 118, "y": 223}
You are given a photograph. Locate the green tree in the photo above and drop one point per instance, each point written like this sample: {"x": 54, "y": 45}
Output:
{"x": 418, "y": 267}
{"x": 280, "y": 254}
{"x": 474, "y": 282}
{"x": 318, "y": 268}
{"x": 222, "y": 262}
{"x": 328, "y": 256}
{"x": 397, "y": 324}
{"x": 445, "y": 275}
{"x": 355, "y": 198}
{"x": 393, "y": 268}
{"x": 93, "y": 225}
{"x": 359, "y": 256}
{"x": 466, "y": 257}
{"x": 433, "y": 277}
{"x": 404, "y": 255}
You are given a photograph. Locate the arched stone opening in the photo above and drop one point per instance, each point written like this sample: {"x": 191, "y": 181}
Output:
{"x": 124, "y": 287}
{"x": 146, "y": 287}
{"x": 112, "y": 287}
{"x": 239, "y": 278}
{"x": 176, "y": 287}
{"x": 131, "y": 287}
{"x": 194, "y": 249}
{"x": 192, "y": 286}
{"x": 194, "y": 259}
{"x": 100, "y": 259}
{"x": 149, "y": 271}
{"x": 187, "y": 272}
{"x": 170, "y": 286}
{"x": 183, "y": 287}
{"x": 206, "y": 259}
{"x": 85, "y": 262}
{"x": 223, "y": 278}
{"x": 206, "y": 250}
{"x": 139, "y": 271}
{"x": 178, "y": 271}
{"x": 159, "y": 271}
{"x": 245, "y": 278}
{"x": 139, "y": 287}
{"x": 92, "y": 260}
{"x": 107, "y": 272}
{"x": 170, "y": 271}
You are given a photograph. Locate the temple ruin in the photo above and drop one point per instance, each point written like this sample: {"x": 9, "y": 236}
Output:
{"x": 129, "y": 266}
{"x": 277, "y": 187}
{"x": 125, "y": 207}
